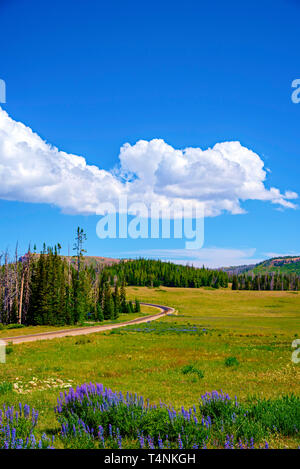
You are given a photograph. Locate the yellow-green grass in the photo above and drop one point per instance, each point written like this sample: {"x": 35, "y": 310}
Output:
{"x": 236, "y": 311}
{"x": 145, "y": 310}
{"x": 255, "y": 327}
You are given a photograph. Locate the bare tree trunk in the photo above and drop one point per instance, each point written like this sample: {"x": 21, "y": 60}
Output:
{"x": 21, "y": 297}
{"x": 16, "y": 279}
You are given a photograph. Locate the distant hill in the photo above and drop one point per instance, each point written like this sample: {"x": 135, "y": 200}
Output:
{"x": 282, "y": 265}
{"x": 94, "y": 261}
{"x": 238, "y": 269}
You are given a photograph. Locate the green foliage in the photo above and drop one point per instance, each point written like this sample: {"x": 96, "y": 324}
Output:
{"x": 217, "y": 417}
{"x": 281, "y": 265}
{"x": 99, "y": 312}
{"x": 266, "y": 281}
{"x": 191, "y": 369}
{"x": 82, "y": 340}
{"x": 123, "y": 304}
{"x": 15, "y": 326}
{"x": 9, "y": 349}
{"x": 57, "y": 292}
{"x": 48, "y": 301}
{"x": 130, "y": 307}
{"x": 137, "y": 306}
{"x": 231, "y": 361}
{"x": 154, "y": 273}
{"x": 255, "y": 418}
{"x": 5, "y": 387}
{"x": 150, "y": 360}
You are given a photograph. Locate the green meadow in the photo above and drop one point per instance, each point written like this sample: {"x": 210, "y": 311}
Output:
{"x": 235, "y": 341}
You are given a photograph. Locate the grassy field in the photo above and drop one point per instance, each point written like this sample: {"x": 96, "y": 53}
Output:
{"x": 256, "y": 329}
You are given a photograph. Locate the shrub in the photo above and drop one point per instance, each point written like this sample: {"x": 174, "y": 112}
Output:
{"x": 130, "y": 415}
{"x": 191, "y": 369}
{"x": 9, "y": 349}
{"x": 231, "y": 361}
{"x": 15, "y": 326}
{"x": 92, "y": 416}
{"x": 5, "y": 387}
{"x": 83, "y": 340}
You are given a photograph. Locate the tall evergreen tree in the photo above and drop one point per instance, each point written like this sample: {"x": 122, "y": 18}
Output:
{"x": 108, "y": 303}
{"x": 123, "y": 305}
{"x": 137, "y": 306}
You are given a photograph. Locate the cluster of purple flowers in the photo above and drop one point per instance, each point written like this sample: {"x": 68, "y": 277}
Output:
{"x": 96, "y": 417}
{"x": 11, "y": 416}
{"x": 16, "y": 429}
{"x": 148, "y": 443}
{"x": 215, "y": 396}
{"x": 99, "y": 398}
{"x": 114, "y": 420}
{"x": 159, "y": 329}
{"x": 192, "y": 428}
{"x": 229, "y": 443}
{"x": 81, "y": 432}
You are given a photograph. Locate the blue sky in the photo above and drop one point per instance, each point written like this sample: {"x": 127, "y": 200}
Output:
{"x": 89, "y": 76}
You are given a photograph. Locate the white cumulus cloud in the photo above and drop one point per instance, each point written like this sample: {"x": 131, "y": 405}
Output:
{"x": 221, "y": 177}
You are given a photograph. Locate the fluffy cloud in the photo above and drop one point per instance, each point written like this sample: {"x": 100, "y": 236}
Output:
{"x": 221, "y": 177}
{"x": 33, "y": 171}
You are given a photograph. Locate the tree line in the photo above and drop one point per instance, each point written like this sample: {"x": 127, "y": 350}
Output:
{"x": 154, "y": 273}
{"x": 46, "y": 289}
{"x": 272, "y": 281}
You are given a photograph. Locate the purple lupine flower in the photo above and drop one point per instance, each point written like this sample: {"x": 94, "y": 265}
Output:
{"x": 160, "y": 443}
{"x": 142, "y": 441}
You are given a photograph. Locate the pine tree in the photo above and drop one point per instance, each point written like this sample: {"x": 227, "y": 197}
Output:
{"x": 137, "y": 306}
{"x": 130, "y": 307}
{"x": 108, "y": 304}
{"x": 100, "y": 316}
{"x": 234, "y": 283}
{"x": 117, "y": 302}
{"x": 78, "y": 287}
{"x": 123, "y": 304}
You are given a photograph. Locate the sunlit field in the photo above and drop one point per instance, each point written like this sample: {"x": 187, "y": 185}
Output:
{"x": 235, "y": 341}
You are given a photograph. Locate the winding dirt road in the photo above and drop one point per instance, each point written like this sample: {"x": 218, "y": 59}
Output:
{"x": 90, "y": 329}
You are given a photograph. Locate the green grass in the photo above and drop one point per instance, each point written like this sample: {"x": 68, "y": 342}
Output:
{"x": 257, "y": 328}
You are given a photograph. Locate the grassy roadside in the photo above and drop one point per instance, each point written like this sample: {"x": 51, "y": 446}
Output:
{"x": 15, "y": 332}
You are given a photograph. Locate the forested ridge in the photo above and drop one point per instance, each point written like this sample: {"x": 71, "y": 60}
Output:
{"x": 48, "y": 288}
{"x": 272, "y": 281}
{"x": 144, "y": 272}
{"x": 51, "y": 289}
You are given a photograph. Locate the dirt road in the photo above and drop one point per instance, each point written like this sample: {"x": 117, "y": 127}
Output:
{"x": 91, "y": 329}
